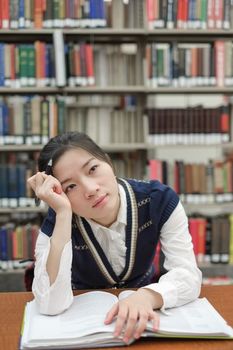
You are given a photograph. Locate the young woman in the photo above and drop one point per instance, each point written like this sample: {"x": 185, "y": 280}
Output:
{"x": 101, "y": 232}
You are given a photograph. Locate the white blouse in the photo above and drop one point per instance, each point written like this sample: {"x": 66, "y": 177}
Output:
{"x": 178, "y": 286}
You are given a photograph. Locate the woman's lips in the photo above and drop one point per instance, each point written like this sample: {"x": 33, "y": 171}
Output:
{"x": 100, "y": 201}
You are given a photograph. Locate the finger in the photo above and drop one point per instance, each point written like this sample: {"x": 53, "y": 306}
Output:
{"x": 39, "y": 179}
{"x": 142, "y": 322}
{"x": 52, "y": 182}
{"x": 32, "y": 182}
{"x": 111, "y": 314}
{"x": 121, "y": 319}
{"x": 155, "y": 320}
{"x": 130, "y": 325}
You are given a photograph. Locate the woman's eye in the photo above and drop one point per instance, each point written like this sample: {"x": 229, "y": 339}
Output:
{"x": 93, "y": 168}
{"x": 69, "y": 188}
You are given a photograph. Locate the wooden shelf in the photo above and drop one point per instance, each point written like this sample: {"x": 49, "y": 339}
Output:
{"x": 9, "y": 210}
{"x": 20, "y": 148}
{"x": 120, "y": 90}
{"x": 209, "y": 209}
{"x": 118, "y": 147}
{"x": 31, "y": 91}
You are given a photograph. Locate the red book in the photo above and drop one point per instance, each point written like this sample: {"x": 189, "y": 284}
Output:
{"x": 219, "y": 49}
{"x": 5, "y": 14}
{"x": 89, "y": 64}
{"x": 179, "y": 17}
{"x": 210, "y": 14}
{"x": 150, "y": 13}
{"x": 77, "y": 64}
{"x": 201, "y": 239}
{"x": 193, "y": 229}
{"x": 185, "y": 13}
{"x": 38, "y": 13}
{"x": 156, "y": 261}
{"x": 225, "y": 123}
{"x": 218, "y": 14}
{"x": 155, "y": 170}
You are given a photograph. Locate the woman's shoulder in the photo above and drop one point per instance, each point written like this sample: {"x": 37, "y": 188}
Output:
{"x": 149, "y": 186}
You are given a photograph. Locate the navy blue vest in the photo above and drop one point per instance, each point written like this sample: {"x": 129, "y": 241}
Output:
{"x": 149, "y": 205}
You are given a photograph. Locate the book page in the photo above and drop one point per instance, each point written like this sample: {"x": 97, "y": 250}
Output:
{"x": 85, "y": 316}
{"x": 195, "y": 318}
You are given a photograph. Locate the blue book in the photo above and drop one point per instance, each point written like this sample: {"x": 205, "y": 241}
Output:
{"x": 3, "y": 244}
{"x": 21, "y": 183}
{"x": 5, "y": 116}
{"x": 3, "y": 181}
{"x": 21, "y": 14}
{"x": 92, "y": 13}
{"x": 101, "y": 13}
{"x": 12, "y": 181}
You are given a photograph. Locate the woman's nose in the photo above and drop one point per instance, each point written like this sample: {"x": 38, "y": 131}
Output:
{"x": 90, "y": 188}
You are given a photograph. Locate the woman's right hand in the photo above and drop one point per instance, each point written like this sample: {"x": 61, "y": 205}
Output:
{"x": 49, "y": 189}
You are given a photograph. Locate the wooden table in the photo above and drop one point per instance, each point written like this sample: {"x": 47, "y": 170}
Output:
{"x": 12, "y": 307}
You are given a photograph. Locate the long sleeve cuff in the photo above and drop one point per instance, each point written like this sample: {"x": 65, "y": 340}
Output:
{"x": 60, "y": 292}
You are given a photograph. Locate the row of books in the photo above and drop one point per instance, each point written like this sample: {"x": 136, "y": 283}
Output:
{"x": 17, "y": 243}
{"x": 108, "y": 126}
{"x": 31, "y": 119}
{"x": 191, "y": 125}
{"x": 34, "y": 119}
{"x": 212, "y": 239}
{"x": 18, "y": 14}
{"x": 196, "y": 181}
{"x": 81, "y": 64}
{"x": 16, "y": 168}
{"x": 193, "y": 14}
{"x": 181, "y": 14}
{"x": 25, "y": 64}
{"x": 102, "y": 65}
{"x": 189, "y": 64}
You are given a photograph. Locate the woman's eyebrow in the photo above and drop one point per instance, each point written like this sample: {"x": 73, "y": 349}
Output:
{"x": 87, "y": 162}
{"x": 82, "y": 167}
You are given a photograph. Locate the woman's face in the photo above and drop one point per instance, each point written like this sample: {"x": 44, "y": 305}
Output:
{"x": 90, "y": 185}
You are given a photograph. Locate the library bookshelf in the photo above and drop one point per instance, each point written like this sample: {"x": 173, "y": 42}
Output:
{"x": 94, "y": 94}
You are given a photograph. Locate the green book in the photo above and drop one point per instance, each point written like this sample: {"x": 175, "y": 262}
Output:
{"x": 23, "y": 65}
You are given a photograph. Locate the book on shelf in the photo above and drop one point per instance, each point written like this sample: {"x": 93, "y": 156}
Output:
{"x": 197, "y": 183}
{"x": 185, "y": 14}
{"x": 211, "y": 237}
{"x": 82, "y": 325}
{"x": 31, "y": 120}
{"x": 187, "y": 64}
{"x": 192, "y": 125}
{"x": 17, "y": 243}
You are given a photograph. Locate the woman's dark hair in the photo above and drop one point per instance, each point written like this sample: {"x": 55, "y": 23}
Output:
{"x": 60, "y": 144}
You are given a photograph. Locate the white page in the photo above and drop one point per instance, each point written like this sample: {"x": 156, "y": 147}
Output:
{"x": 197, "y": 317}
{"x": 85, "y": 316}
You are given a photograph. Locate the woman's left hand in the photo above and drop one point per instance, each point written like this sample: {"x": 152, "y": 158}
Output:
{"x": 133, "y": 312}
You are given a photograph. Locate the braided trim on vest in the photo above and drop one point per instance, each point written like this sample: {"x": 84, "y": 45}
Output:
{"x": 134, "y": 230}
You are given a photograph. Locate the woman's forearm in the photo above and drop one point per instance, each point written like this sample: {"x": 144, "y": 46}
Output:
{"x": 61, "y": 235}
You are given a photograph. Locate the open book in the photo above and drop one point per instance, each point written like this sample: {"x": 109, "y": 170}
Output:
{"x": 82, "y": 325}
